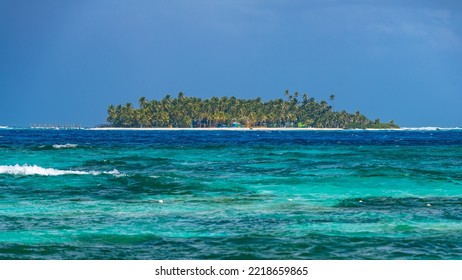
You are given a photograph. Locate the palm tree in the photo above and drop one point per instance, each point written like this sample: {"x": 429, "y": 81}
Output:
{"x": 185, "y": 111}
{"x": 166, "y": 104}
{"x": 111, "y": 114}
{"x": 332, "y": 98}
{"x": 143, "y": 102}
{"x": 143, "y": 113}
{"x": 128, "y": 117}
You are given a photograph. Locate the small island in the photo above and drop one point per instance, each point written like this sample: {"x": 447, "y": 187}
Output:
{"x": 191, "y": 112}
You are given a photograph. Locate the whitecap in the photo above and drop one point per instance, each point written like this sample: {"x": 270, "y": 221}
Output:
{"x": 26, "y": 170}
{"x": 65, "y": 146}
{"x": 430, "y": 128}
{"x": 114, "y": 172}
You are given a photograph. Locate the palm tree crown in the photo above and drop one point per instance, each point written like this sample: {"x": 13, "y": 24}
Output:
{"x": 184, "y": 111}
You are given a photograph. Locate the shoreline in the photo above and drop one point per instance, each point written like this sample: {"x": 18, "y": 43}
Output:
{"x": 240, "y": 129}
{"x": 428, "y": 128}
{"x": 230, "y": 129}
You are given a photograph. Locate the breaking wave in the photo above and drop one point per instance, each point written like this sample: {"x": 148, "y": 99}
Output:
{"x": 65, "y": 146}
{"x": 26, "y": 170}
{"x": 431, "y": 128}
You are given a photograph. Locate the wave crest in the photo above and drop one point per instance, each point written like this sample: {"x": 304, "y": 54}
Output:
{"x": 65, "y": 146}
{"x": 27, "y": 170}
{"x": 430, "y": 128}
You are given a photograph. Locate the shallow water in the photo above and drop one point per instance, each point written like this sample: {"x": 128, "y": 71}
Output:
{"x": 230, "y": 194}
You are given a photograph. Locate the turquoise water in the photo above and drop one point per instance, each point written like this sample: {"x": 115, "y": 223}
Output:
{"x": 230, "y": 194}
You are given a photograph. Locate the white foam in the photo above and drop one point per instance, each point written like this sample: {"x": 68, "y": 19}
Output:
{"x": 26, "y": 170}
{"x": 431, "y": 128}
{"x": 114, "y": 172}
{"x": 65, "y": 146}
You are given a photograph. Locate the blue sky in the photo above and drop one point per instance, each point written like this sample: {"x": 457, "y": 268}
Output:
{"x": 66, "y": 61}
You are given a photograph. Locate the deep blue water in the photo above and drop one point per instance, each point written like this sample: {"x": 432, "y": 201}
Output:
{"x": 83, "y": 194}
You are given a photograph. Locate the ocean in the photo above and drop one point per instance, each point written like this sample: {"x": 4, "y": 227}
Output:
{"x": 353, "y": 194}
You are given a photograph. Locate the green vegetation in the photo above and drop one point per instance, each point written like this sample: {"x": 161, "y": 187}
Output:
{"x": 182, "y": 111}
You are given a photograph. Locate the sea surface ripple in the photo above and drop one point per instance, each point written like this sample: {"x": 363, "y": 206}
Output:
{"x": 230, "y": 194}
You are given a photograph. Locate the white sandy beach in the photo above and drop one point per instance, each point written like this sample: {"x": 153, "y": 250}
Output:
{"x": 270, "y": 128}
{"x": 224, "y": 129}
